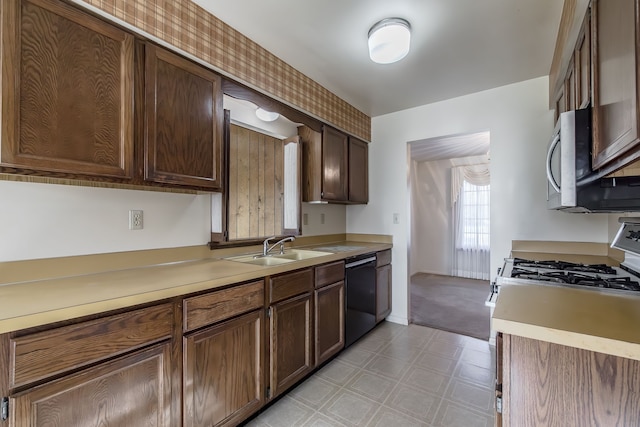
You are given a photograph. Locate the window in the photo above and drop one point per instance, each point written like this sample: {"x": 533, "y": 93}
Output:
{"x": 474, "y": 208}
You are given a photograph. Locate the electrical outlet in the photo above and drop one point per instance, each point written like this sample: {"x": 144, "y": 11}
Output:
{"x": 136, "y": 220}
{"x": 305, "y": 219}
{"x": 396, "y": 218}
{"x": 321, "y": 218}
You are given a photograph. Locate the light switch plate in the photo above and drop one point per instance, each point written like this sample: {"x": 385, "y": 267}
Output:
{"x": 396, "y": 218}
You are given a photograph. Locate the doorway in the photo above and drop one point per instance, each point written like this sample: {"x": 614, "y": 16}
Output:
{"x": 449, "y": 233}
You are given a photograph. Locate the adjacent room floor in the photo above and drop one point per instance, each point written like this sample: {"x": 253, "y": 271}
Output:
{"x": 454, "y": 304}
{"x": 395, "y": 376}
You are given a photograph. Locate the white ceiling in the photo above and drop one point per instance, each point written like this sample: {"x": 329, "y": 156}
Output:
{"x": 458, "y": 46}
{"x": 450, "y": 147}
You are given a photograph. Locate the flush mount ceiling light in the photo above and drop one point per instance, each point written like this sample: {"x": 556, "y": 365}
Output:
{"x": 266, "y": 116}
{"x": 389, "y": 40}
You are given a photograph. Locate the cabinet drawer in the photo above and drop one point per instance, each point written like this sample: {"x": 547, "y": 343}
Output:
{"x": 220, "y": 305}
{"x": 290, "y": 284}
{"x": 383, "y": 258}
{"x": 329, "y": 273}
{"x": 43, "y": 354}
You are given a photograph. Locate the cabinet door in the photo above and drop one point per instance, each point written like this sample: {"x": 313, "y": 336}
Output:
{"x": 334, "y": 165}
{"x": 329, "y": 324}
{"x": 570, "y": 87}
{"x": 223, "y": 372}
{"x": 615, "y": 92}
{"x": 131, "y": 391}
{"x": 183, "y": 121}
{"x": 290, "y": 336}
{"x": 383, "y": 292}
{"x": 67, "y": 91}
{"x": 358, "y": 171}
{"x": 583, "y": 64}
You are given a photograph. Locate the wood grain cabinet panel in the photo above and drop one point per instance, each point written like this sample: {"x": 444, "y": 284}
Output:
{"x": 335, "y": 172}
{"x": 67, "y": 91}
{"x": 616, "y": 118}
{"x": 223, "y": 372}
{"x": 44, "y": 354}
{"x": 583, "y": 64}
{"x": 134, "y": 390}
{"x": 291, "y": 356}
{"x": 545, "y": 384}
{"x": 383, "y": 292}
{"x": 183, "y": 121}
{"x": 358, "y": 171}
{"x": 290, "y": 284}
{"x": 329, "y": 273}
{"x": 329, "y": 321}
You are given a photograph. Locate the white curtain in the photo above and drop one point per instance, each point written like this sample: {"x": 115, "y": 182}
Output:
{"x": 470, "y": 193}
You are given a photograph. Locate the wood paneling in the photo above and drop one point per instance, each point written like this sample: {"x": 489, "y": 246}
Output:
{"x": 213, "y": 307}
{"x": 224, "y": 372}
{"x": 291, "y": 356}
{"x": 329, "y": 321}
{"x": 551, "y": 385}
{"x": 256, "y": 184}
{"x": 43, "y": 354}
{"x": 183, "y": 121}
{"x": 329, "y": 273}
{"x": 67, "y": 92}
{"x": 290, "y": 284}
{"x": 131, "y": 391}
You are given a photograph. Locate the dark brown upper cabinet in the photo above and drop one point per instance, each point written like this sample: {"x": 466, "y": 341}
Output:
{"x": 67, "y": 92}
{"x": 616, "y": 119}
{"x": 358, "y": 171}
{"x": 328, "y": 160}
{"x": 183, "y": 121}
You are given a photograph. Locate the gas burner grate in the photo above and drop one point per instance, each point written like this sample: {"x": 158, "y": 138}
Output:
{"x": 565, "y": 266}
{"x": 577, "y": 278}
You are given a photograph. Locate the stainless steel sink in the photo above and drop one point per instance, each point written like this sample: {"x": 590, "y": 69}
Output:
{"x": 290, "y": 255}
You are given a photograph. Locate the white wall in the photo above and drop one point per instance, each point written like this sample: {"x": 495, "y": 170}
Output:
{"x": 47, "y": 220}
{"x": 431, "y": 231}
{"x": 335, "y": 219}
{"x": 520, "y": 123}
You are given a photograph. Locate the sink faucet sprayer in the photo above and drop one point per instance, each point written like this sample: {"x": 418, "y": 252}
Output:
{"x": 265, "y": 245}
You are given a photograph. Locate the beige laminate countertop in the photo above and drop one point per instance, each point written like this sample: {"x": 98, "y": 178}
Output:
{"x": 587, "y": 319}
{"x": 38, "y": 302}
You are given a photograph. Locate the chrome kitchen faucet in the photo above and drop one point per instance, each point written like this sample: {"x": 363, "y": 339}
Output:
{"x": 265, "y": 245}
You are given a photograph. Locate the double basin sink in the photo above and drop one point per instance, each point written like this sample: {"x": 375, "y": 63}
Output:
{"x": 290, "y": 255}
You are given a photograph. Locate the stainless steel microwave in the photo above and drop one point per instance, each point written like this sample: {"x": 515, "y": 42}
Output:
{"x": 568, "y": 159}
{"x": 572, "y": 185}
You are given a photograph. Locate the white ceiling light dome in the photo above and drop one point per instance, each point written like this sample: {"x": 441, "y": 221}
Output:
{"x": 266, "y": 116}
{"x": 389, "y": 40}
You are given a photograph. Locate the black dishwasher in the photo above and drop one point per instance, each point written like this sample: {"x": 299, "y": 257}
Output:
{"x": 360, "y": 302}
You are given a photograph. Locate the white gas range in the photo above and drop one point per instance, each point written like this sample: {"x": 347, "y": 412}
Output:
{"x": 596, "y": 277}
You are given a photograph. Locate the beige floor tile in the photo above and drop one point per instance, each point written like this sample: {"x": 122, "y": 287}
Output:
{"x": 436, "y": 363}
{"x": 372, "y": 343}
{"x": 387, "y": 417}
{"x": 314, "y": 392}
{"x": 319, "y": 420}
{"x": 401, "y": 351}
{"x": 475, "y": 374}
{"x": 478, "y": 358}
{"x": 338, "y": 372}
{"x": 415, "y": 403}
{"x": 470, "y": 395}
{"x": 454, "y": 415}
{"x": 286, "y": 412}
{"x": 446, "y": 349}
{"x": 372, "y": 386}
{"x": 386, "y": 366}
{"x": 350, "y": 408}
{"x": 424, "y": 379}
{"x": 356, "y": 356}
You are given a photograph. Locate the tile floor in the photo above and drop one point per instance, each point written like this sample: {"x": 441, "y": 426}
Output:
{"x": 395, "y": 376}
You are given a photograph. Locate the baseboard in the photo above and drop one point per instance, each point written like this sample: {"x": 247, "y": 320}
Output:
{"x": 397, "y": 319}
{"x": 437, "y": 273}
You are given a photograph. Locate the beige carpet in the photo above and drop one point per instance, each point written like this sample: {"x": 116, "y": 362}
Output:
{"x": 453, "y": 304}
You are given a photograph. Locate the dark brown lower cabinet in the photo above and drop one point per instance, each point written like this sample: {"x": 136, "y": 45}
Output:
{"x": 290, "y": 335}
{"x": 134, "y": 390}
{"x": 383, "y": 292}
{"x": 329, "y": 321}
{"x": 546, "y": 384}
{"x": 223, "y": 375}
